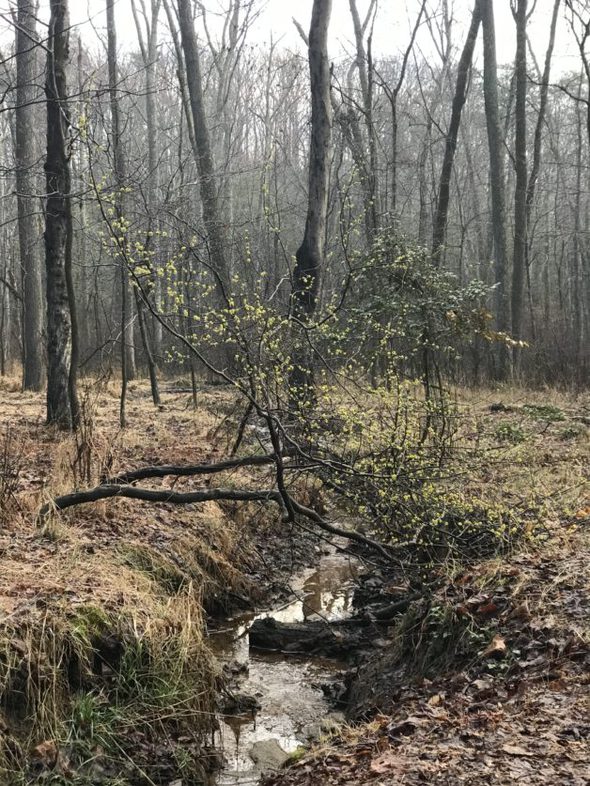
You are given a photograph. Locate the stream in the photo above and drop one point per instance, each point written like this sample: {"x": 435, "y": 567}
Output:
{"x": 293, "y": 708}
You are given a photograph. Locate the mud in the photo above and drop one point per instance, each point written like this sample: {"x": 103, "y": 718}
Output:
{"x": 288, "y": 688}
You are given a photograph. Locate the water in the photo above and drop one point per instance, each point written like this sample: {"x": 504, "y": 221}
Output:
{"x": 287, "y": 688}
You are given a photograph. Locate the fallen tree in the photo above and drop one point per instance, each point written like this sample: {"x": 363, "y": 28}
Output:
{"x": 336, "y": 639}
{"x": 110, "y": 490}
{"x": 188, "y": 470}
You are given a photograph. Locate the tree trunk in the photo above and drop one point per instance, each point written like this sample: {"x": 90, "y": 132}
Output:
{"x": 205, "y": 164}
{"x": 57, "y": 222}
{"x": 520, "y": 196}
{"x": 490, "y": 85}
{"x": 149, "y": 53}
{"x": 26, "y": 161}
{"x": 442, "y": 209}
{"x": 535, "y": 166}
{"x": 365, "y": 70}
{"x": 126, "y": 325}
{"x": 310, "y": 254}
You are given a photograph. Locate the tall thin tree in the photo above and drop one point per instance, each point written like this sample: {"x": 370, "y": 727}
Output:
{"x": 205, "y": 164}
{"x": 126, "y": 327}
{"x": 310, "y": 254}
{"x": 444, "y": 187}
{"x": 58, "y": 223}
{"x": 520, "y": 194}
{"x": 27, "y": 152}
{"x": 495, "y": 146}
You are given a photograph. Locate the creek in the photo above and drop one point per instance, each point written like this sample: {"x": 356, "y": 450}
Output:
{"x": 287, "y": 688}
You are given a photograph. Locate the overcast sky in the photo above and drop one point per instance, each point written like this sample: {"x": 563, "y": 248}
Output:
{"x": 391, "y": 34}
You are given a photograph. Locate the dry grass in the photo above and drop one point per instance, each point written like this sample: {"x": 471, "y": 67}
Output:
{"x": 135, "y": 577}
{"x": 108, "y": 599}
{"x": 525, "y": 447}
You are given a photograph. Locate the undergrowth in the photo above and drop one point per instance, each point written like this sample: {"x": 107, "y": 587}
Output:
{"x": 92, "y": 693}
{"x": 431, "y": 637}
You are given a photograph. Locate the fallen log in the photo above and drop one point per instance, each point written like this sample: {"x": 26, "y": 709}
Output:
{"x": 187, "y": 470}
{"x": 336, "y": 639}
{"x": 107, "y": 491}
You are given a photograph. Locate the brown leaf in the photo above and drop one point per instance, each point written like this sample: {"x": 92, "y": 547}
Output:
{"x": 516, "y": 750}
{"x": 487, "y": 609}
{"x": 483, "y": 684}
{"x": 405, "y": 727}
{"x": 47, "y": 753}
{"x": 520, "y": 612}
{"x": 477, "y": 600}
{"x": 496, "y": 648}
{"x": 387, "y": 763}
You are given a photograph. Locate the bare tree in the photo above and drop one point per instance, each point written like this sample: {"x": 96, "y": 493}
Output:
{"x": 58, "y": 224}
{"x": 490, "y": 85}
{"x": 127, "y": 346}
{"x": 520, "y": 195}
{"x": 205, "y": 164}
{"x": 310, "y": 254}
{"x": 148, "y": 44}
{"x": 370, "y": 168}
{"x": 27, "y": 66}
{"x": 442, "y": 209}
{"x": 580, "y": 26}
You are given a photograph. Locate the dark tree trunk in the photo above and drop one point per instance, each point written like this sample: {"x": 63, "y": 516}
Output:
{"x": 57, "y": 222}
{"x": 310, "y": 254}
{"x": 205, "y": 165}
{"x": 442, "y": 209}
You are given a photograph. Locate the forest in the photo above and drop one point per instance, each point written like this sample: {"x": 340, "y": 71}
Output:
{"x": 294, "y": 392}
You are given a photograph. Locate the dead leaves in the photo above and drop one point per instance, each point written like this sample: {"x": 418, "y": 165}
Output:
{"x": 516, "y": 750}
{"x": 496, "y": 648}
{"x": 388, "y": 763}
{"x": 48, "y": 757}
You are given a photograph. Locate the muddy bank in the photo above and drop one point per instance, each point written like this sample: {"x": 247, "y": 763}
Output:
{"x": 291, "y": 671}
{"x": 276, "y": 702}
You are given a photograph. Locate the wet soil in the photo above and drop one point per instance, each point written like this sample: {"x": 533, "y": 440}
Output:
{"x": 287, "y": 688}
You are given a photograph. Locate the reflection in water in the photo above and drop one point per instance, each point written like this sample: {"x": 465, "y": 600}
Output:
{"x": 287, "y": 688}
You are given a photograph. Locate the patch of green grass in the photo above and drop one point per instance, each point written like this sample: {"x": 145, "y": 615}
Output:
{"x": 547, "y": 412}
{"x": 508, "y": 432}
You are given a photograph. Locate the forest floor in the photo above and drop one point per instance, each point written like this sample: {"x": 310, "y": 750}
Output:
{"x": 104, "y": 666}
{"x": 519, "y": 708}
{"x": 105, "y": 675}
{"x": 491, "y": 683}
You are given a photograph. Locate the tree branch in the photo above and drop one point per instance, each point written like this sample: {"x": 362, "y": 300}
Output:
{"x": 188, "y": 470}
{"x": 108, "y": 491}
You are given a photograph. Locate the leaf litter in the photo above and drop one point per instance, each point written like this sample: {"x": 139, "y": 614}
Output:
{"x": 520, "y": 709}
